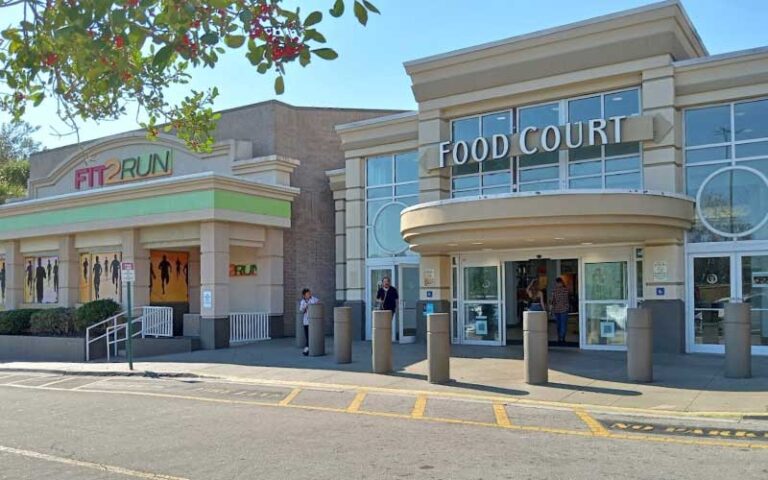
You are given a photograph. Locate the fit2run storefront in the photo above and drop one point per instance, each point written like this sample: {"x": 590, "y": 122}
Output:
{"x": 615, "y": 154}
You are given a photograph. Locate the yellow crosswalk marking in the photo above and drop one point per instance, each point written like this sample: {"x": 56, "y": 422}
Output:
{"x": 502, "y": 419}
{"x": 595, "y": 427}
{"x": 357, "y": 402}
{"x": 419, "y": 406}
{"x": 287, "y": 400}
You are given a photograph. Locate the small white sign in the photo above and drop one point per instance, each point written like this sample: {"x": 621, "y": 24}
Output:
{"x": 127, "y": 272}
{"x": 607, "y": 329}
{"x": 207, "y": 299}
{"x": 660, "y": 271}
{"x": 429, "y": 277}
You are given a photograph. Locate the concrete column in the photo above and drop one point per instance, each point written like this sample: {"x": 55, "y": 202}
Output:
{"x": 14, "y": 275}
{"x": 69, "y": 269}
{"x": 194, "y": 280}
{"x": 439, "y": 347}
{"x": 535, "y": 348}
{"x": 738, "y": 345}
{"x": 135, "y": 253}
{"x": 214, "y": 285}
{"x": 301, "y": 339}
{"x": 342, "y": 334}
{"x": 381, "y": 348}
{"x": 316, "y": 330}
{"x": 639, "y": 345}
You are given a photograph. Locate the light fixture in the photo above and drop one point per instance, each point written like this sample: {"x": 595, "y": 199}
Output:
{"x": 453, "y": 244}
{"x": 617, "y": 99}
{"x": 587, "y": 243}
{"x": 501, "y": 118}
{"x": 559, "y": 238}
{"x": 477, "y": 243}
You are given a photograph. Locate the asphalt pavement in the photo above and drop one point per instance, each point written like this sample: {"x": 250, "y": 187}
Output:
{"x": 85, "y": 427}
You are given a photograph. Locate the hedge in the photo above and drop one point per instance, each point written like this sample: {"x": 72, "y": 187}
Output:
{"x": 15, "y": 322}
{"x": 56, "y": 321}
{"x": 94, "y": 312}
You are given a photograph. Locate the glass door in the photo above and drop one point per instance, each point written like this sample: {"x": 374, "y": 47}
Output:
{"x": 754, "y": 291}
{"x": 605, "y": 303}
{"x": 712, "y": 289}
{"x": 481, "y": 309}
{"x": 408, "y": 286}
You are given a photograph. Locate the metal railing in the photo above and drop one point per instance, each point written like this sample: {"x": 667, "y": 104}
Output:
{"x": 248, "y": 327}
{"x": 155, "y": 322}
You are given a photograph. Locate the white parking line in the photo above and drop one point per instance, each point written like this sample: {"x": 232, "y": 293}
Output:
{"x": 56, "y": 381}
{"x": 80, "y": 463}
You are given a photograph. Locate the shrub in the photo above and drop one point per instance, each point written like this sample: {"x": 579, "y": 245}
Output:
{"x": 56, "y": 321}
{"x": 15, "y": 322}
{"x": 95, "y": 312}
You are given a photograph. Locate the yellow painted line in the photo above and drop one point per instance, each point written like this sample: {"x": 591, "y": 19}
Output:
{"x": 419, "y": 406}
{"x": 501, "y": 398}
{"x": 357, "y": 402}
{"x": 595, "y": 427}
{"x": 557, "y": 431}
{"x": 500, "y": 411}
{"x": 92, "y": 465}
{"x": 287, "y": 400}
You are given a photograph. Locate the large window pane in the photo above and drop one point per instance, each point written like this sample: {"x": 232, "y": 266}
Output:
{"x": 538, "y": 159}
{"x": 539, "y": 116}
{"x": 585, "y": 168}
{"x": 622, "y": 103}
{"x": 584, "y": 109}
{"x": 705, "y": 126}
{"x": 544, "y": 173}
{"x": 754, "y": 149}
{"x": 407, "y": 189}
{"x": 734, "y": 201}
{"x": 589, "y": 182}
{"x": 496, "y": 124}
{"x": 622, "y": 149}
{"x": 379, "y": 192}
{"x": 695, "y": 176}
{"x": 585, "y": 153}
{"x": 606, "y": 281}
{"x": 407, "y": 167}
{"x": 497, "y": 179}
{"x": 481, "y": 322}
{"x": 496, "y": 165}
{"x": 463, "y": 183}
{"x": 466, "y": 129}
{"x": 623, "y": 180}
{"x": 711, "y": 154}
{"x": 379, "y": 171}
{"x": 711, "y": 291}
{"x": 467, "y": 169}
{"x": 622, "y": 164}
{"x": 539, "y": 186}
{"x": 751, "y": 120}
{"x": 372, "y": 207}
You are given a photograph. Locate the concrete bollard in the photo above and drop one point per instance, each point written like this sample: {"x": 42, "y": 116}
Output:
{"x": 535, "y": 348}
{"x": 301, "y": 340}
{"x": 639, "y": 345}
{"x": 738, "y": 345}
{"x": 381, "y": 349}
{"x": 439, "y": 347}
{"x": 316, "y": 331}
{"x": 342, "y": 334}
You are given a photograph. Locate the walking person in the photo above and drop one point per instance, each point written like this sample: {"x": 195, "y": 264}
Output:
{"x": 306, "y": 300}
{"x": 536, "y": 296}
{"x": 387, "y": 298}
{"x": 560, "y": 307}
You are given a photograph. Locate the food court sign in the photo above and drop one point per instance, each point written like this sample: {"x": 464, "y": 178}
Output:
{"x": 551, "y": 138}
{"x": 115, "y": 171}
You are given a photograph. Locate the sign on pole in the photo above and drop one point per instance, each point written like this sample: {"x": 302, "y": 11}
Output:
{"x": 128, "y": 275}
{"x": 127, "y": 272}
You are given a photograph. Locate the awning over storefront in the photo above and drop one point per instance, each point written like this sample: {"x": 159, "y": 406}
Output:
{"x": 545, "y": 219}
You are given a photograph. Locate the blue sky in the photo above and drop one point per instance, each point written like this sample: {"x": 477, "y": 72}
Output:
{"x": 369, "y": 72}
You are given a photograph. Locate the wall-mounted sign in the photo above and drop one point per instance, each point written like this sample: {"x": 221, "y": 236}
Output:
{"x": 207, "y": 299}
{"x": 660, "y": 291}
{"x": 481, "y": 327}
{"x": 429, "y": 277}
{"x": 532, "y": 140}
{"x": 607, "y": 329}
{"x": 660, "y": 271}
{"x": 243, "y": 270}
{"x": 115, "y": 171}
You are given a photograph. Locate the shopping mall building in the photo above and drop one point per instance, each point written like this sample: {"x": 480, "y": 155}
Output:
{"x": 614, "y": 153}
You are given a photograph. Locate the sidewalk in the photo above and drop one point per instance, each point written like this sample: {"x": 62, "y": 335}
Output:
{"x": 683, "y": 383}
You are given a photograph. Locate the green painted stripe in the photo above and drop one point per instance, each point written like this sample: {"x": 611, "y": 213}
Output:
{"x": 161, "y": 204}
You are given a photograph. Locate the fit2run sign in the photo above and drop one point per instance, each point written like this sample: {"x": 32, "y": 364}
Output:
{"x": 531, "y": 140}
{"x": 115, "y": 171}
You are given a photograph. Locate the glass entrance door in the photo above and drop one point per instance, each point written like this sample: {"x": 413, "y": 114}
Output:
{"x": 481, "y": 323}
{"x": 606, "y": 299}
{"x": 375, "y": 277}
{"x": 408, "y": 285}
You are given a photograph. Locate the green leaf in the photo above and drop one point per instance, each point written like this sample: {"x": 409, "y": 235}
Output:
{"x": 304, "y": 58}
{"x": 361, "y": 13}
{"x": 314, "y": 35}
{"x": 371, "y": 7}
{"x": 326, "y": 53}
{"x": 246, "y": 16}
{"x": 234, "y": 41}
{"x": 262, "y": 68}
{"x": 338, "y": 9}
{"x": 279, "y": 85}
{"x": 313, "y": 19}
{"x": 162, "y": 57}
{"x": 210, "y": 38}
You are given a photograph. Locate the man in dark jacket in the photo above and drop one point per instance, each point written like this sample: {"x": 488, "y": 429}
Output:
{"x": 387, "y": 298}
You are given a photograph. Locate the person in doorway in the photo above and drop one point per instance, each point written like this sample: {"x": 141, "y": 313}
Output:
{"x": 40, "y": 280}
{"x": 560, "y": 307}
{"x": 387, "y": 298}
{"x": 97, "y": 278}
{"x": 306, "y": 300}
{"x": 536, "y": 296}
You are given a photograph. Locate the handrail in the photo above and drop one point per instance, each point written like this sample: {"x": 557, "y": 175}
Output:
{"x": 155, "y": 321}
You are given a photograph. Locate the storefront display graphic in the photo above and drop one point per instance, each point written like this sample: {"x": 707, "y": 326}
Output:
{"x": 169, "y": 277}
{"x": 41, "y": 279}
{"x": 100, "y": 276}
{"x": 2, "y": 282}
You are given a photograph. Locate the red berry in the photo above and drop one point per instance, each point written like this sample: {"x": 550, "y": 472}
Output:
{"x": 119, "y": 41}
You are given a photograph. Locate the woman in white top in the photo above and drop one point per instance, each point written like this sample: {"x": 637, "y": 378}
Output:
{"x": 306, "y": 300}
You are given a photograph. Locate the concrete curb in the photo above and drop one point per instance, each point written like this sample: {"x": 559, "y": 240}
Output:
{"x": 99, "y": 373}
